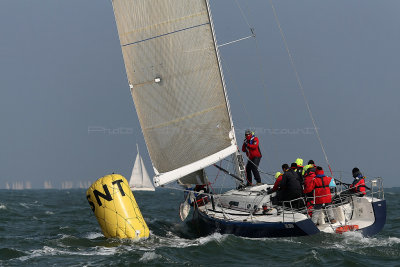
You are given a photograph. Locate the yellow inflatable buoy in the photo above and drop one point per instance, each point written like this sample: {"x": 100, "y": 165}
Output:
{"x": 116, "y": 209}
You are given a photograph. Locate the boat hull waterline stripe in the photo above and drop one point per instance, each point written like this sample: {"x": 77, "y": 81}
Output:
{"x": 154, "y": 37}
{"x": 171, "y": 176}
{"x": 209, "y": 225}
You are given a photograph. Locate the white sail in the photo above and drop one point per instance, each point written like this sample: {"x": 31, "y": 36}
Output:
{"x": 176, "y": 83}
{"x": 140, "y": 179}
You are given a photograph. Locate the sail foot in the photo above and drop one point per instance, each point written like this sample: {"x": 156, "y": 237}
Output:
{"x": 171, "y": 176}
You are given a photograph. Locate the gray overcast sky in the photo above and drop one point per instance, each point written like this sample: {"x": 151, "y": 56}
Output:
{"x": 62, "y": 75}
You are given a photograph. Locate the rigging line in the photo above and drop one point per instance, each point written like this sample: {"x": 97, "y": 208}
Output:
{"x": 299, "y": 83}
{"x": 261, "y": 69}
{"x": 259, "y": 169}
{"x": 243, "y": 15}
{"x": 227, "y": 71}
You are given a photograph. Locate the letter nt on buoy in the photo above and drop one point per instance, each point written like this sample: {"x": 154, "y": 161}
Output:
{"x": 116, "y": 209}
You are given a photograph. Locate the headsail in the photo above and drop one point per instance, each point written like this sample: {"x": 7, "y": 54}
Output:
{"x": 175, "y": 79}
{"x": 140, "y": 179}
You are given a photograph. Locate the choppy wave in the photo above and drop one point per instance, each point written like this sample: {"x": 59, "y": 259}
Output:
{"x": 51, "y": 232}
{"x": 94, "y": 235}
{"x": 149, "y": 256}
{"x": 50, "y": 251}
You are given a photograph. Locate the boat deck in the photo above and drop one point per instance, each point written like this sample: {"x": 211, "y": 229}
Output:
{"x": 273, "y": 216}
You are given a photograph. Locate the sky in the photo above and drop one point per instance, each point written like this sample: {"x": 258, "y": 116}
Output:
{"x": 66, "y": 111}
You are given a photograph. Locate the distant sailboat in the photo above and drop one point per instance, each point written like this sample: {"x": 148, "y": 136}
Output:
{"x": 140, "y": 179}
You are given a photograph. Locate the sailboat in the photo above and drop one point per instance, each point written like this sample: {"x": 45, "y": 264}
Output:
{"x": 177, "y": 84}
{"x": 140, "y": 179}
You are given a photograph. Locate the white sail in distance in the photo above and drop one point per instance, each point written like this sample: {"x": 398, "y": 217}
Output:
{"x": 140, "y": 179}
{"x": 176, "y": 83}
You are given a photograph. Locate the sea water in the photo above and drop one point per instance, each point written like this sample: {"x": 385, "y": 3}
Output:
{"x": 58, "y": 228}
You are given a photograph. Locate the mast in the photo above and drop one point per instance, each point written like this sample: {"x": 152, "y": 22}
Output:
{"x": 238, "y": 158}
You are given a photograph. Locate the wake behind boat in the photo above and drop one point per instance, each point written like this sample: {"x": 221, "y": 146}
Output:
{"x": 176, "y": 80}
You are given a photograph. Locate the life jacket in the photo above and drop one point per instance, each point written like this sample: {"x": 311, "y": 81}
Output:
{"x": 359, "y": 187}
{"x": 309, "y": 168}
{"x": 322, "y": 192}
{"x": 200, "y": 199}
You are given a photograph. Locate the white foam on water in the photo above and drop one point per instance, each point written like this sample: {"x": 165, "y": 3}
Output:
{"x": 174, "y": 241}
{"x": 3, "y": 207}
{"x": 49, "y": 251}
{"x": 379, "y": 241}
{"x": 29, "y": 205}
{"x": 38, "y": 253}
{"x": 351, "y": 241}
{"x": 149, "y": 256}
{"x": 24, "y": 205}
{"x": 94, "y": 235}
{"x": 315, "y": 254}
{"x": 49, "y": 212}
{"x": 105, "y": 251}
{"x": 63, "y": 236}
{"x": 210, "y": 238}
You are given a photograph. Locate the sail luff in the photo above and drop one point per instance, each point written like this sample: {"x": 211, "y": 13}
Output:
{"x": 239, "y": 168}
{"x": 135, "y": 171}
{"x": 146, "y": 181}
{"x": 130, "y": 87}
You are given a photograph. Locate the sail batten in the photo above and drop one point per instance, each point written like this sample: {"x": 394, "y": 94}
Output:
{"x": 161, "y": 35}
{"x": 176, "y": 82}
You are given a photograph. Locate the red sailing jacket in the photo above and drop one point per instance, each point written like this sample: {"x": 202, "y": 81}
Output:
{"x": 322, "y": 192}
{"x": 277, "y": 182}
{"x": 252, "y": 150}
{"x": 308, "y": 182}
{"x": 359, "y": 187}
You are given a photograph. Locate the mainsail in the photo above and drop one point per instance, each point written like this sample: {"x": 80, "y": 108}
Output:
{"x": 140, "y": 180}
{"x": 176, "y": 83}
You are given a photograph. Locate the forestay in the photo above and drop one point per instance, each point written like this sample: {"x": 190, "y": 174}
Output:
{"x": 173, "y": 71}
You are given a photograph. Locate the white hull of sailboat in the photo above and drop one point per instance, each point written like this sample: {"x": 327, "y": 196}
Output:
{"x": 235, "y": 212}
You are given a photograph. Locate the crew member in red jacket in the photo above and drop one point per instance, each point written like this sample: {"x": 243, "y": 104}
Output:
{"x": 309, "y": 175}
{"x": 322, "y": 195}
{"x": 358, "y": 185}
{"x": 278, "y": 177}
{"x": 252, "y": 149}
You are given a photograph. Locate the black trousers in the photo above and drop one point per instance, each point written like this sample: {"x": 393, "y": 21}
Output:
{"x": 252, "y": 167}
